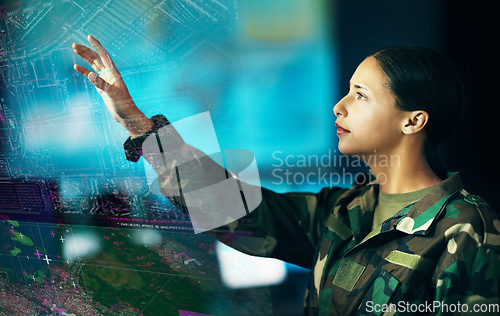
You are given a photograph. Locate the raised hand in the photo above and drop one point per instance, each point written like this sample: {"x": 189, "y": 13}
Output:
{"x": 110, "y": 85}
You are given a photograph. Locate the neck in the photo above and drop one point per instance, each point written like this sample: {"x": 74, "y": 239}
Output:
{"x": 401, "y": 173}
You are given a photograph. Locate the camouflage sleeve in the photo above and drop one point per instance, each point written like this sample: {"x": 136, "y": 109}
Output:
{"x": 286, "y": 226}
{"x": 249, "y": 218}
{"x": 470, "y": 285}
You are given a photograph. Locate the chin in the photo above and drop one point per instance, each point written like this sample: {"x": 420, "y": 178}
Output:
{"x": 347, "y": 150}
{"x": 355, "y": 151}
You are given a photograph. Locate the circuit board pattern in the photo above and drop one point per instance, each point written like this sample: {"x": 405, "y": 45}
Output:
{"x": 61, "y": 159}
{"x": 53, "y": 124}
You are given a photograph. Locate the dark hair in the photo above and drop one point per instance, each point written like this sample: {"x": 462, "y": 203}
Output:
{"x": 422, "y": 79}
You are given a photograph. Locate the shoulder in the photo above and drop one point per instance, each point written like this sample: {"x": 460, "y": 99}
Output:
{"x": 471, "y": 214}
{"x": 471, "y": 232}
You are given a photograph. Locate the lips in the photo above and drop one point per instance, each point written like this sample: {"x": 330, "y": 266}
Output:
{"x": 341, "y": 130}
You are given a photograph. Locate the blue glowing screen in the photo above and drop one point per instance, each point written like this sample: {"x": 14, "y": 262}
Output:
{"x": 263, "y": 69}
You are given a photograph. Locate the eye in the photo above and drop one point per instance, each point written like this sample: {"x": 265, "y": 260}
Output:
{"x": 360, "y": 96}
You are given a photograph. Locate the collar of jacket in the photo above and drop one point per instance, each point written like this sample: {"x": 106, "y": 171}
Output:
{"x": 417, "y": 220}
{"x": 423, "y": 213}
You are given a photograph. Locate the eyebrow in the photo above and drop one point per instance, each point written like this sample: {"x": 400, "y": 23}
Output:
{"x": 360, "y": 87}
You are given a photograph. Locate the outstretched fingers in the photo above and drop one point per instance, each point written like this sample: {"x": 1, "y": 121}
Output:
{"x": 91, "y": 57}
{"x": 103, "y": 54}
{"x": 106, "y": 75}
{"x": 96, "y": 80}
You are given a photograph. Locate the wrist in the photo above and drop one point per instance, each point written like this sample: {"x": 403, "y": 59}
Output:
{"x": 134, "y": 121}
{"x": 138, "y": 126}
{"x": 133, "y": 145}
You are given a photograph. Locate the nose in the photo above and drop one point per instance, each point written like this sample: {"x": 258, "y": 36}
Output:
{"x": 339, "y": 109}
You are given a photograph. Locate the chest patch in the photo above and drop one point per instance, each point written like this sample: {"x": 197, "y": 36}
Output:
{"x": 348, "y": 274}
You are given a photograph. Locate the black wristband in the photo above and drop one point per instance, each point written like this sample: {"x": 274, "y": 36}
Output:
{"x": 133, "y": 147}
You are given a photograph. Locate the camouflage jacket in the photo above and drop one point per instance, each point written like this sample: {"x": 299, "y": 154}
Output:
{"x": 440, "y": 255}
{"x": 437, "y": 256}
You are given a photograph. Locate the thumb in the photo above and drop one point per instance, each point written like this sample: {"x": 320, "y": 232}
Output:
{"x": 98, "y": 82}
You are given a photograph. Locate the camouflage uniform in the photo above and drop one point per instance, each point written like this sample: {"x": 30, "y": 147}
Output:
{"x": 444, "y": 249}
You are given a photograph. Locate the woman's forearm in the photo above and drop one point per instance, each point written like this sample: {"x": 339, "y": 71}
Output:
{"x": 134, "y": 121}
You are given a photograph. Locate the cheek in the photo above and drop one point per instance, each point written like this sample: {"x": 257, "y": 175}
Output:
{"x": 367, "y": 122}
{"x": 378, "y": 122}
{"x": 375, "y": 129}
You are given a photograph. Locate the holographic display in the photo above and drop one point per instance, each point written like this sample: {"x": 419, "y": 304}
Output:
{"x": 82, "y": 232}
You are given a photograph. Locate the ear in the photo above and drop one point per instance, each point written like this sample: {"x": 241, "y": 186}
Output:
{"x": 415, "y": 121}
